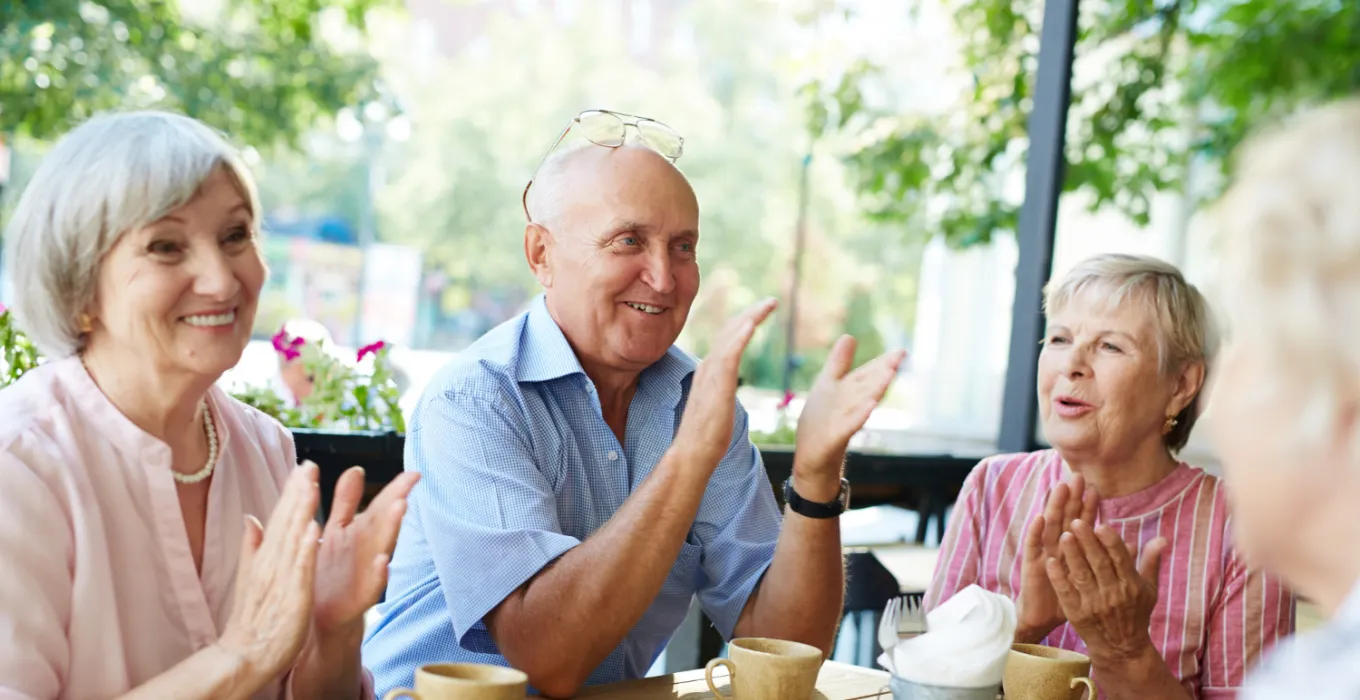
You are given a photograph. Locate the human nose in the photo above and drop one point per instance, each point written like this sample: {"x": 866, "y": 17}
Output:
{"x": 659, "y": 273}
{"x": 215, "y": 278}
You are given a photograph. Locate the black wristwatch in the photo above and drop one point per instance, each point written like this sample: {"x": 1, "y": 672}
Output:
{"x": 813, "y": 509}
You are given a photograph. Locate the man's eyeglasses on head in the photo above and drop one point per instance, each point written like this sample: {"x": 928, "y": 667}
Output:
{"x": 610, "y": 129}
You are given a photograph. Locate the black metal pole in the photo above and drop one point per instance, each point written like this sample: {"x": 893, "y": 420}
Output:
{"x": 798, "y": 245}
{"x": 1044, "y": 173}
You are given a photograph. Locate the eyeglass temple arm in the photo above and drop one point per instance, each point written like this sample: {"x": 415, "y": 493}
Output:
{"x": 524, "y": 199}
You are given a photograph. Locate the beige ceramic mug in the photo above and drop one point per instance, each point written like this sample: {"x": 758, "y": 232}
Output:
{"x": 465, "y": 682}
{"x": 768, "y": 669}
{"x": 1035, "y": 672}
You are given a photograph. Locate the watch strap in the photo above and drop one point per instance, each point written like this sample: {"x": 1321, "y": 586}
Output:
{"x": 814, "y": 509}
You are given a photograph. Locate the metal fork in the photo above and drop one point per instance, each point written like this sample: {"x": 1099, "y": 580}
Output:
{"x": 913, "y": 620}
{"x": 889, "y": 625}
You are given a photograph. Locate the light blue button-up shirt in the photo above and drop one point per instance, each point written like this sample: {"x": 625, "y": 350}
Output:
{"x": 518, "y": 466}
{"x": 1319, "y": 664}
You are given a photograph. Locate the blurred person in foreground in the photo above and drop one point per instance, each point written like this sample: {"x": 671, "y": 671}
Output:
{"x": 1108, "y": 544}
{"x": 1286, "y": 404}
{"x": 132, "y": 487}
{"x": 585, "y": 478}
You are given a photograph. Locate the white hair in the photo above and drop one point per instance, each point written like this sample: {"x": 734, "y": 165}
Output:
{"x": 550, "y": 191}
{"x": 1186, "y": 331}
{"x": 112, "y": 174}
{"x": 1290, "y": 278}
{"x": 553, "y": 188}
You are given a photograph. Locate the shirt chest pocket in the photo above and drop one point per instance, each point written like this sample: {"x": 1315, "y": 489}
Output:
{"x": 684, "y": 576}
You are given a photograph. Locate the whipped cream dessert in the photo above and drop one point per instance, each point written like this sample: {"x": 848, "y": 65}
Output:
{"x": 968, "y": 642}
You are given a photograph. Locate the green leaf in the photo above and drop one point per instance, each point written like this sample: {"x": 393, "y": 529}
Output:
{"x": 258, "y": 72}
{"x": 1231, "y": 67}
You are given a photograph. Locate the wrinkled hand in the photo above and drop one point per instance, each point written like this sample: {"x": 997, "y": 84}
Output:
{"x": 1107, "y": 599}
{"x": 837, "y": 407}
{"x": 351, "y": 565}
{"x": 273, "y": 606}
{"x": 1037, "y": 610}
{"x": 706, "y": 429}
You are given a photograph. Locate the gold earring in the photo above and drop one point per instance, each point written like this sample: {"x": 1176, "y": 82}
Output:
{"x": 85, "y": 322}
{"x": 1171, "y": 422}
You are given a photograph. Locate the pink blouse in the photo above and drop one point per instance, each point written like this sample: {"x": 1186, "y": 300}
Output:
{"x": 99, "y": 593}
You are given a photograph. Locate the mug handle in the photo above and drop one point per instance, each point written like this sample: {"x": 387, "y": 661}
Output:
{"x": 400, "y": 692}
{"x": 708, "y": 675}
{"x": 1090, "y": 687}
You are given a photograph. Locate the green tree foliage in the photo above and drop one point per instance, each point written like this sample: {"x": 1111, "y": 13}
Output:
{"x": 485, "y": 115}
{"x": 263, "y": 71}
{"x": 1159, "y": 84}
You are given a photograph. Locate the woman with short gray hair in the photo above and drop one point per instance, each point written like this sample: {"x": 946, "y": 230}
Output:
{"x": 1287, "y": 402}
{"x": 136, "y": 563}
{"x": 1109, "y": 545}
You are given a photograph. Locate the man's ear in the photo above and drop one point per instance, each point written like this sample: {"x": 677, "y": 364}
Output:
{"x": 537, "y": 244}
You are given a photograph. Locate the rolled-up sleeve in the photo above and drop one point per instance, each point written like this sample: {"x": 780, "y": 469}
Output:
{"x": 737, "y": 528}
{"x": 36, "y": 588}
{"x": 489, "y": 514}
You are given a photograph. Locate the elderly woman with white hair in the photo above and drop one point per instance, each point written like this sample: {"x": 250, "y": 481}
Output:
{"x": 1108, "y": 544}
{"x": 132, "y": 488}
{"x": 1286, "y": 406}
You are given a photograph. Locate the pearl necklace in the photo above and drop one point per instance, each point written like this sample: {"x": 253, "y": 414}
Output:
{"x": 207, "y": 469}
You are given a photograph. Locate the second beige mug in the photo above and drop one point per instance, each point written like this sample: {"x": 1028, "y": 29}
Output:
{"x": 465, "y": 682}
{"x": 1035, "y": 672}
{"x": 768, "y": 669}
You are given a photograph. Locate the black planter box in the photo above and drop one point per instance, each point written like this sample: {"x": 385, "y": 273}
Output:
{"x": 379, "y": 453}
{"x": 926, "y": 483}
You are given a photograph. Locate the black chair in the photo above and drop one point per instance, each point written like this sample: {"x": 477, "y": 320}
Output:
{"x": 868, "y": 588}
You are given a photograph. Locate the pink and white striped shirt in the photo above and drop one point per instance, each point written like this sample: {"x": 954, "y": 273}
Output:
{"x": 1213, "y": 618}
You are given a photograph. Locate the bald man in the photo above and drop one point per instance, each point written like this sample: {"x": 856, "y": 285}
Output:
{"x": 583, "y": 481}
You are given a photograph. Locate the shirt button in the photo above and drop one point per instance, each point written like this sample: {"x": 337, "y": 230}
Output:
{"x": 613, "y": 456}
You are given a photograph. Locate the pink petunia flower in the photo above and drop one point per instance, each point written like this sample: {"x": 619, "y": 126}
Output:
{"x": 788, "y": 399}
{"x": 288, "y": 347}
{"x": 370, "y": 349}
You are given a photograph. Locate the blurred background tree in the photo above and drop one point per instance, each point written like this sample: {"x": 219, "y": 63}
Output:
{"x": 482, "y": 88}
{"x": 263, "y": 71}
{"x": 1159, "y": 86}
{"x": 484, "y": 116}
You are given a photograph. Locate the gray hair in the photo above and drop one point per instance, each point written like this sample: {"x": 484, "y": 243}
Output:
{"x": 1186, "y": 331}
{"x": 112, "y": 174}
{"x": 553, "y": 190}
{"x": 549, "y": 192}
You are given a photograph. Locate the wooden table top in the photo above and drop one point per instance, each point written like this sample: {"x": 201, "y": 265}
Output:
{"x": 835, "y": 682}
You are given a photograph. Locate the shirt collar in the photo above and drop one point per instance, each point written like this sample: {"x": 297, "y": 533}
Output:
{"x": 118, "y": 428}
{"x": 546, "y": 355}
